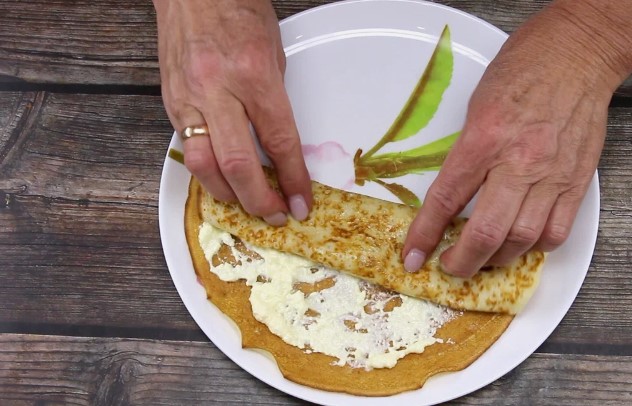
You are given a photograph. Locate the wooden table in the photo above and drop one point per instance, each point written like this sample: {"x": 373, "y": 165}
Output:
{"x": 88, "y": 312}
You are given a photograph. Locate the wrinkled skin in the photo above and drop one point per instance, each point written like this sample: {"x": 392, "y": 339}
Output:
{"x": 533, "y": 136}
{"x": 534, "y": 132}
{"x": 222, "y": 64}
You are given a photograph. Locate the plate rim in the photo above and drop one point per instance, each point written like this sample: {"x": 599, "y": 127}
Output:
{"x": 175, "y": 269}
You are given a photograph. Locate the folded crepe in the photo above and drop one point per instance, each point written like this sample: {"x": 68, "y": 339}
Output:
{"x": 364, "y": 236}
{"x": 463, "y": 339}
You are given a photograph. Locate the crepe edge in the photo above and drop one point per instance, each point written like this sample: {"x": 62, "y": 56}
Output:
{"x": 471, "y": 346}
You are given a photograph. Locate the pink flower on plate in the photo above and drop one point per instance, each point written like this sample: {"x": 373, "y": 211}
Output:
{"x": 329, "y": 163}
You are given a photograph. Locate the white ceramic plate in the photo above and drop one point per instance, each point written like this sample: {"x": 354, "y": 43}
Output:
{"x": 351, "y": 67}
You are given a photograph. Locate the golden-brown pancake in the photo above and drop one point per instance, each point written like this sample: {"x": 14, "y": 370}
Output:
{"x": 364, "y": 237}
{"x": 465, "y": 337}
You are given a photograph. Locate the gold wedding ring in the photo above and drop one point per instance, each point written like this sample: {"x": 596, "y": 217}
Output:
{"x": 194, "y": 131}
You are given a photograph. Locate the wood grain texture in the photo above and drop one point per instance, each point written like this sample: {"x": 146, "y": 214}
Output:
{"x": 113, "y": 42}
{"x": 80, "y": 253}
{"x": 98, "y": 371}
{"x": 607, "y": 291}
{"x": 79, "y": 244}
{"x": 78, "y": 208}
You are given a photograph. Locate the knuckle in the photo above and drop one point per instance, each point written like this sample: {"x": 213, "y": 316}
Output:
{"x": 280, "y": 144}
{"x": 575, "y": 192}
{"x": 566, "y": 176}
{"x": 536, "y": 147}
{"x": 487, "y": 114}
{"x": 255, "y": 208}
{"x": 501, "y": 259}
{"x": 222, "y": 194}
{"x": 522, "y": 235}
{"x": 556, "y": 235}
{"x": 530, "y": 157}
{"x": 444, "y": 199}
{"x": 261, "y": 206}
{"x": 458, "y": 271}
{"x": 235, "y": 164}
{"x": 487, "y": 236}
{"x": 203, "y": 66}
{"x": 522, "y": 144}
{"x": 420, "y": 235}
{"x": 253, "y": 63}
{"x": 486, "y": 128}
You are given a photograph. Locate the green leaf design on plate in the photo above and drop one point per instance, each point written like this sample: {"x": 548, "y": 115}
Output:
{"x": 442, "y": 145}
{"x": 424, "y": 101}
{"x": 176, "y": 155}
{"x": 416, "y": 114}
{"x": 402, "y": 193}
{"x": 427, "y": 157}
{"x": 396, "y": 166}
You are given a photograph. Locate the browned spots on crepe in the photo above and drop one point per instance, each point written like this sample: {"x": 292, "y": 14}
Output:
{"x": 465, "y": 338}
{"x": 369, "y": 246}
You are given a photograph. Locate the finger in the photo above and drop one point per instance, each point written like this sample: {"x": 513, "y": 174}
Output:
{"x": 560, "y": 221}
{"x": 200, "y": 160}
{"x": 199, "y": 157}
{"x": 274, "y": 122}
{"x": 494, "y": 213}
{"x": 457, "y": 182}
{"x": 529, "y": 224}
{"x": 238, "y": 161}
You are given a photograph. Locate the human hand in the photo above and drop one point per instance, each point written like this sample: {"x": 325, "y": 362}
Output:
{"x": 530, "y": 145}
{"x": 222, "y": 64}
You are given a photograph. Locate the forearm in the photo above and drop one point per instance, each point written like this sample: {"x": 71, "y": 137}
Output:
{"x": 607, "y": 30}
{"x": 593, "y": 36}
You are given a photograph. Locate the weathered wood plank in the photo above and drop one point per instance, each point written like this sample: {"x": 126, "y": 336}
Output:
{"x": 607, "y": 290}
{"x": 79, "y": 243}
{"x": 97, "y": 371}
{"x": 78, "y": 207}
{"x": 84, "y": 371}
{"x": 114, "y": 41}
{"x": 74, "y": 140}
{"x": 100, "y": 42}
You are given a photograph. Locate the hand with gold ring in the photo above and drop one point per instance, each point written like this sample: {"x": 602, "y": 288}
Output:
{"x": 221, "y": 67}
{"x": 195, "y": 130}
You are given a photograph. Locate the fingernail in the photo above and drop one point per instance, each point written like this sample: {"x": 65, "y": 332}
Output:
{"x": 298, "y": 207}
{"x": 414, "y": 260}
{"x": 276, "y": 219}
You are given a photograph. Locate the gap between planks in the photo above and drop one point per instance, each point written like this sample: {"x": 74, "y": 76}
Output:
{"x": 101, "y": 371}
